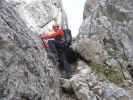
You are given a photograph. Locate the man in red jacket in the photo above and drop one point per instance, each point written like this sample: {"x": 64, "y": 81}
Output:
{"x": 54, "y": 44}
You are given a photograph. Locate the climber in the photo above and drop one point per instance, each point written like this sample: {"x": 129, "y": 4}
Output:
{"x": 57, "y": 48}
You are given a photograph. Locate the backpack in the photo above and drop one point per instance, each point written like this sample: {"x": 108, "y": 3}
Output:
{"x": 67, "y": 37}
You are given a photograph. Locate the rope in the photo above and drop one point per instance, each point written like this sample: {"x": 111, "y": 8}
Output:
{"x": 54, "y": 18}
{"x": 47, "y": 23}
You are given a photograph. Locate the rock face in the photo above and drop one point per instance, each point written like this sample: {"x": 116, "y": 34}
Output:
{"x": 25, "y": 71}
{"x": 27, "y": 74}
{"x": 105, "y": 44}
{"x": 109, "y": 23}
{"x": 39, "y": 15}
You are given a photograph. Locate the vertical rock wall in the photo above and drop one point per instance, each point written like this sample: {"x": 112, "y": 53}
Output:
{"x": 25, "y": 71}
{"x": 109, "y": 23}
{"x": 39, "y": 15}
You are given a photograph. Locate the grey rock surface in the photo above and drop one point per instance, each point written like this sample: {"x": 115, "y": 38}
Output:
{"x": 105, "y": 44}
{"x": 25, "y": 71}
{"x": 39, "y": 15}
{"x": 109, "y": 22}
{"x": 88, "y": 86}
{"x": 27, "y": 74}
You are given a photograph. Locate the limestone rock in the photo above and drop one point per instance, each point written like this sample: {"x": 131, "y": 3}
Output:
{"x": 88, "y": 86}
{"x": 110, "y": 22}
{"x": 105, "y": 44}
{"x": 90, "y": 49}
{"x": 25, "y": 71}
{"x": 27, "y": 74}
{"x": 39, "y": 15}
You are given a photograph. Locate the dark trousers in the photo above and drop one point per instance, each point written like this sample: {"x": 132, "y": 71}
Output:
{"x": 59, "y": 54}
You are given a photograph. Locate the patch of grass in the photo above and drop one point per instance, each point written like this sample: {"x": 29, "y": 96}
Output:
{"x": 109, "y": 73}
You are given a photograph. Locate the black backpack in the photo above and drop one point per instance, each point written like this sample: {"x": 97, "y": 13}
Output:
{"x": 67, "y": 37}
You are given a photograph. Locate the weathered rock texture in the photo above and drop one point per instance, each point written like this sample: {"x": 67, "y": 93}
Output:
{"x": 27, "y": 74}
{"x": 105, "y": 43}
{"x": 109, "y": 22}
{"x": 25, "y": 71}
{"x": 88, "y": 86}
{"x": 39, "y": 14}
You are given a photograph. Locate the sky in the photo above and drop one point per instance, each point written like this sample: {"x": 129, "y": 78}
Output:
{"x": 74, "y": 11}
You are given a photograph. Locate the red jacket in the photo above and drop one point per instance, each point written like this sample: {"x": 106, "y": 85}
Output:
{"x": 54, "y": 35}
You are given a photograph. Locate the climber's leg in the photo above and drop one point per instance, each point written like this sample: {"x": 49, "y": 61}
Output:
{"x": 66, "y": 65}
{"x": 52, "y": 52}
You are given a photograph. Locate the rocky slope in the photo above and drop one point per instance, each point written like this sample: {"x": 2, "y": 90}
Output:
{"x": 87, "y": 85}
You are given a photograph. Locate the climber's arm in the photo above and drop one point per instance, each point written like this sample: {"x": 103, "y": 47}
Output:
{"x": 53, "y": 35}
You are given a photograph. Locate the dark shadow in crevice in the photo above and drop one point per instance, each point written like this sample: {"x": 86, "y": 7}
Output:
{"x": 73, "y": 56}
{"x": 69, "y": 92}
{"x": 130, "y": 69}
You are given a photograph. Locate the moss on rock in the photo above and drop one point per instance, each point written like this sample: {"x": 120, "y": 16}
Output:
{"x": 109, "y": 73}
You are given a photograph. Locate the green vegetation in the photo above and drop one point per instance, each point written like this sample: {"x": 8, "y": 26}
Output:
{"x": 109, "y": 73}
